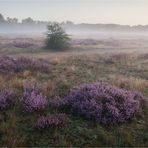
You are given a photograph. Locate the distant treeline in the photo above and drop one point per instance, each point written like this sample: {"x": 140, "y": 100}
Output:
{"x": 29, "y": 22}
{"x": 26, "y": 21}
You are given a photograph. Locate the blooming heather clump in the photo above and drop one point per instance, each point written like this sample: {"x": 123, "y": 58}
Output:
{"x": 6, "y": 99}
{"x": 58, "y": 120}
{"x": 20, "y": 64}
{"x": 23, "y": 42}
{"x": 33, "y": 100}
{"x": 102, "y": 103}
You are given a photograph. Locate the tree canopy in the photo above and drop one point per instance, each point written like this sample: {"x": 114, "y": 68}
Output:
{"x": 57, "y": 39}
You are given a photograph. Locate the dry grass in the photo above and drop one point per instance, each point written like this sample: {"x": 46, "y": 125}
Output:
{"x": 20, "y": 83}
{"x": 55, "y": 61}
{"x": 127, "y": 135}
{"x": 27, "y": 73}
{"x": 130, "y": 83}
{"x": 62, "y": 81}
{"x": 71, "y": 69}
{"x": 17, "y": 81}
{"x": 48, "y": 88}
{"x": 2, "y": 82}
{"x": 12, "y": 138}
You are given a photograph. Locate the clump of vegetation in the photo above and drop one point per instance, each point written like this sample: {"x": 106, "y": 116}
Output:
{"x": 15, "y": 65}
{"x": 57, "y": 39}
{"x": 102, "y": 103}
{"x": 6, "y": 98}
{"x": 57, "y": 120}
{"x": 20, "y": 43}
{"x": 33, "y": 100}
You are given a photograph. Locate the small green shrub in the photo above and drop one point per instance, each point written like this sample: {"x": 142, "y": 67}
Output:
{"x": 57, "y": 39}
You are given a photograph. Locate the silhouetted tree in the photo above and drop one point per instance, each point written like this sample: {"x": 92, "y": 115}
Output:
{"x": 2, "y": 18}
{"x": 28, "y": 20}
{"x": 12, "y": 20}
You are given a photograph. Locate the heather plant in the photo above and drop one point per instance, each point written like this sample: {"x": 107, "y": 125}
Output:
{"x": 20, "y": 64}
{"x": 22, "y": 43}
{"x": 101, "y": 103}
{"x": 6, "y": 98}
{"x": 57, "y": 120}
{"x": 32, "y": 99}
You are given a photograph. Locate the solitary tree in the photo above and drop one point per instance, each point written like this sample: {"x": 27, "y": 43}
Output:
{"x": 57, "y": 39}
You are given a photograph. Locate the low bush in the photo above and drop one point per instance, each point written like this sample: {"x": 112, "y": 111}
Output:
{"x": 6, "y": 98}
{"x": 22, "y": 43}
{"x": 20, "y": 64}
{"x": 101, "y": 103}
{"x": 33, "y": 100}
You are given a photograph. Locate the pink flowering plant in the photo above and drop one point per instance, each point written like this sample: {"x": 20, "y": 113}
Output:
{"x": 101, "y": 103}
{"x": 15, "y": 65}
{"x": 6, "y": 98}
{"x": 33, "y": 100}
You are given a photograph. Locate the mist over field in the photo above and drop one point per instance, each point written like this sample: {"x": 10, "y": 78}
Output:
{"x": 76, "y": 30}
{"x": 94, "y": 36}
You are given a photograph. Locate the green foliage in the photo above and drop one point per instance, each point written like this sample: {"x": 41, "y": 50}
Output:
{"x": 57, "y": 39}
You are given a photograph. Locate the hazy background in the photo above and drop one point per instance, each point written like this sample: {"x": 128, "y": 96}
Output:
{"x": 110, "y": 23}
{"x": 131, "y": 12}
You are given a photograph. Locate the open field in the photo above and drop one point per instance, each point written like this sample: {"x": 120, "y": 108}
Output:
{"x": 122, "y": 63}
{"x": 29, "y": 44}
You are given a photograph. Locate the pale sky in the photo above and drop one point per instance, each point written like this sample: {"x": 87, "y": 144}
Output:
{"x": 131, "y": 12}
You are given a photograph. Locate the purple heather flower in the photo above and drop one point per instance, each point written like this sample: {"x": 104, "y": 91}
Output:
{"x": 6, "y": 98}
{"x": 20, "y": 64}
{"x": 33, "y": 100}
{"x": 101, "y": 102}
